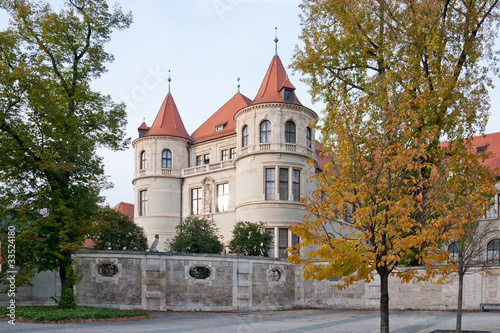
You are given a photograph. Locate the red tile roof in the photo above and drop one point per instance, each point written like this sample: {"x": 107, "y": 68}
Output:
{"x": 125, "y": 208}
{"x": 224, "y": 116}
{"x": 275, "y": 80}
{"x": 143, "y": 126}
{"x": 168, "y": 122}
{"x": 492, "y": 144}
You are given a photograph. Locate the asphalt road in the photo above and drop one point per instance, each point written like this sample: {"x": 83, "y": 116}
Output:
{"x": 316, "y": 320}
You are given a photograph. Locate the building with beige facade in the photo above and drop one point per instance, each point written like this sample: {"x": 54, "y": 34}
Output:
{"x": 247, "y": 162}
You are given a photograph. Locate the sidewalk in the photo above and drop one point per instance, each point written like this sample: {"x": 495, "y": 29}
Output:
{"x": 293, "y": 321}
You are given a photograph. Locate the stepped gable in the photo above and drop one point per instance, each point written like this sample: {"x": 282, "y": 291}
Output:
{"x": 274, "y": 84}
{"x": 168, "y": 122}
{"x": 490, "y": 143}
{"x": 221, "y": 123}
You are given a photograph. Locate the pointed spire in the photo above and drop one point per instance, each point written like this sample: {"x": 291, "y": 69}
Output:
{"x": 168, "y": 121}
{"x": 276, "y": 41}
{"x": 169, "y": 79}
{"x": 238, "y": 85}
{"x": 275, "y": 84}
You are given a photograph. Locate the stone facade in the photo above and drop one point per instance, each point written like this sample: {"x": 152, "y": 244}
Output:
{"x": 164, "y": 281}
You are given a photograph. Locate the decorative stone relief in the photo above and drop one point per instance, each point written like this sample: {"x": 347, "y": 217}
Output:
{"x": 199, "y": 272}
{"x": 207, "y": 194}
{"x": 274, "y": 275}
{"x": 107, "y": 270}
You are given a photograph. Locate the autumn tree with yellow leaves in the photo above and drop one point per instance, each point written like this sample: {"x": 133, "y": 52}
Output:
{"x": 397, "y": 78}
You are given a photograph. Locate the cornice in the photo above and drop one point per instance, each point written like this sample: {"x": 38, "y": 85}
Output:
{"x": 160, "y": 138}
{"x": 276, "y": 105}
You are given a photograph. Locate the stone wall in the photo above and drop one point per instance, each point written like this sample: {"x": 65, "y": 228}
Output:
{"x": 164, "y": 281}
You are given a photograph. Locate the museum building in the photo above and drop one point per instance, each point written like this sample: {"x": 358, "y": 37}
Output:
{"x": 247, "y": 162}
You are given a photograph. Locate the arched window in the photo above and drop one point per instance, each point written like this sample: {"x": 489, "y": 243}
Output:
{"x": 142, "y": 164}
{"x": 290, "y": 132}
{"x": 265, "y": 131}
{"x": 308, "y": 137}
{"x": 493, "y": 254}
{"x": 453, "y": 251}
{"x": 166, "y": 159}
{"x": 244, "y": 136}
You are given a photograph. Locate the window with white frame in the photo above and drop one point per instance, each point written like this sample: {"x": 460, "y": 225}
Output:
{"x": 283, "y": 187}
{"x": 493, "y": 251}
{"x": 142, "y": 162}
{"x": 198, "y": 160}
{"x": 222, "y": 197}
{"x": 270, "y": 179}
{"x": 453, "y": 251}
{"x": 244, "y": 136}
{"x": 232, "y": 153}
{"x": 308, "y": 137}
{"x": 223, "y": 155}
{"x": 296, "y": 185}
{"x": 290, "y": 132}
{"x": 206, "y": 159}
{"x": 166, "y": 158}
{"x": 196, "y": 201}
{"x": 265, "y": 131}
{"x": 270, "y": 253}
{"x": 143, "y": 202}
{"x": 282, "y": 242}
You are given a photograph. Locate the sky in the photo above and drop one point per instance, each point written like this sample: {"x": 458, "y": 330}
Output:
{"x": 207, "y": 45}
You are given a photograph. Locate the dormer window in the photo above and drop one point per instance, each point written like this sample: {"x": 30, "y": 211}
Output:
{"x": 220, "y": 127}
{"x": 481, "y": 149}
{"x": 288, "y": 95}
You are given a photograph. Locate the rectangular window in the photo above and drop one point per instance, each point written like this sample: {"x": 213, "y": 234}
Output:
{"x": 295, "y": 240}
{"x": 195, "y": 201}
{"x": 222, "y": 197}
{"x": 283, "y": 242}
{"x": 283, "y": 184}
{"x": 270, "y": 231}
{"x": 490, "y": 213}
{"x": 223, "y": 154}
{"x": 498, "y": 205}
{"x": 270, "y": 183}
{"x": 232, "y": 153}
{"x": 143, "y": 202}
{"x": 206, "y": 159}
{"x": 198, "y": 160}
{"x": 296, "y": 185}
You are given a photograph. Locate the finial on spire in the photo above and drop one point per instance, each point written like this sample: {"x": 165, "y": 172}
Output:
{"x": 276, "y": 41}
{"x": 169, "y": 79}
{"x": 238, "y": 85}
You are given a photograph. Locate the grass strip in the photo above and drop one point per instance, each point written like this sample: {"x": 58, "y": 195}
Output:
{"x": 54, "y": 314}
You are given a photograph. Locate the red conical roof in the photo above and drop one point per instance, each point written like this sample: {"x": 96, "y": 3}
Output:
{"x": 143, "y": 126}
{"x": 274, "y": 81}
{"x": 223, "y": 117}
{"x": 168, "y": 122}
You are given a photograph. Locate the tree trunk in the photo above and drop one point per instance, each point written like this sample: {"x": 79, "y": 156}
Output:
{"x": 384, "y": 301}
{"x": 62, "y": 276}
{"x": 458, "y": 328}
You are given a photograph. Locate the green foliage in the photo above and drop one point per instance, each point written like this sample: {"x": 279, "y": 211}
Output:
{"x": 67, "y": 299}
{"x": 196, "y": 235}
{"x": 115, "y": 231}
{"x": 56, "y": 314}
{"x": 250, "y": 239}
{"x": 51, "y": 124}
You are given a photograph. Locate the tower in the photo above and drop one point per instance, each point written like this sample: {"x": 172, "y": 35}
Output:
{"x": 160, "y": 156}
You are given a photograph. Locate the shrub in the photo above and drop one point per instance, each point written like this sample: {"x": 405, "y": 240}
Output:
{"x": 196, "y": 235}
{"x": 250, "y": 239}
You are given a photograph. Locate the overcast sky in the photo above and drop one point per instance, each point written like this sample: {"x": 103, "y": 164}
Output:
{"x": 207, "y": 45}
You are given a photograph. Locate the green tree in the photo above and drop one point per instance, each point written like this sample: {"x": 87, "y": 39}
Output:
{"x": 196, "y": 235}
{"x": 250, "y": 239}
{"x": 115, "y": 231}
{"x": 51, "y": 123}
{"x": 397, "y": 77}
